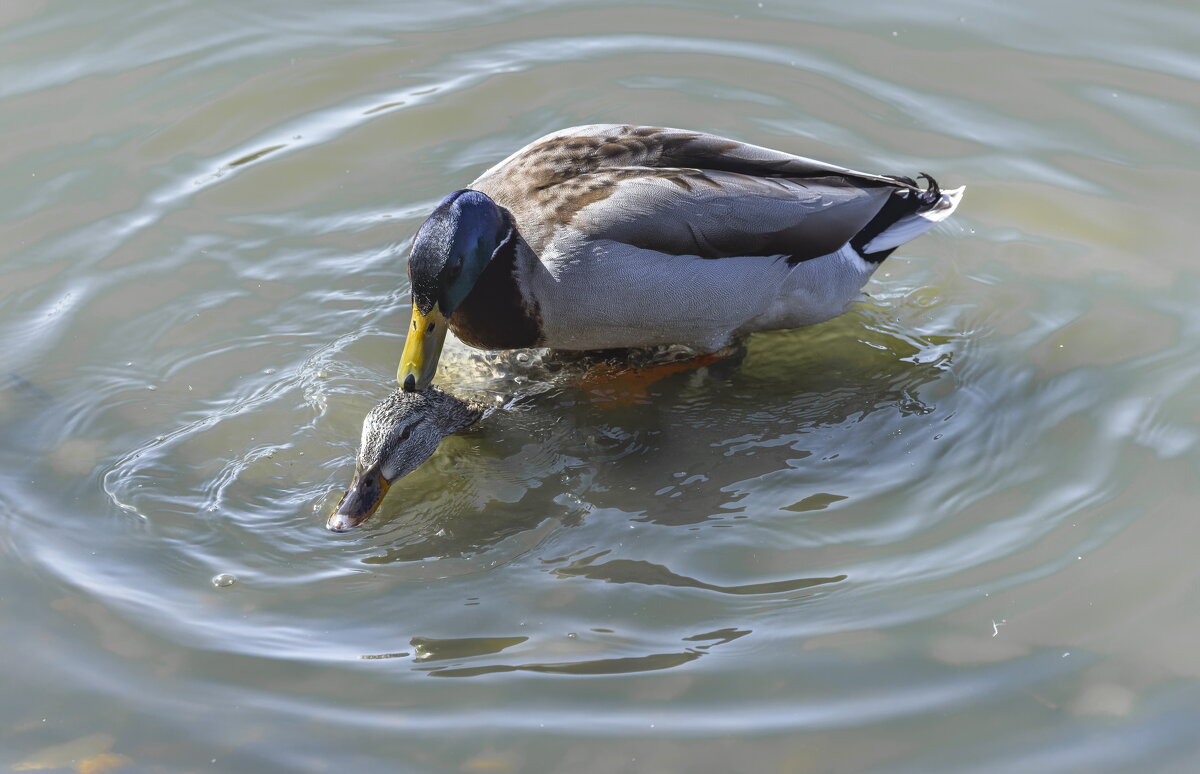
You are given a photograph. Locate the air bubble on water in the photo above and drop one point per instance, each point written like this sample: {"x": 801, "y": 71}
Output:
{"x": 223, "y": 580}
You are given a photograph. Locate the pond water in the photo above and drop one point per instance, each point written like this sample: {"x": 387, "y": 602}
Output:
{"x": 953, "y": 530}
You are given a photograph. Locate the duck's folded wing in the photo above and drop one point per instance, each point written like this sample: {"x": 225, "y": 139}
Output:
{"x": 719, "y": 214}
{"x": 684, "y": 192}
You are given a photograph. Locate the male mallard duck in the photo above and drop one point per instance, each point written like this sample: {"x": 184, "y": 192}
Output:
{"x": 611, "y": 236}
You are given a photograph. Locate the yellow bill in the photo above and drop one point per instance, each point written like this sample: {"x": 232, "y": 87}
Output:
{"x": 422, "y": 349}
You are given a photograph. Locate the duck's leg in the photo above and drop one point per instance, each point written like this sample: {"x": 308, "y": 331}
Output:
{"x": 612, "y": 385}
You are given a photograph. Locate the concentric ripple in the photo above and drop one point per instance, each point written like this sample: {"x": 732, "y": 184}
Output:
{"x": 941, "y": 533}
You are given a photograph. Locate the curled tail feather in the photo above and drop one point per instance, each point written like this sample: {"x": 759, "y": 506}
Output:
{"x": 907, "y": 214}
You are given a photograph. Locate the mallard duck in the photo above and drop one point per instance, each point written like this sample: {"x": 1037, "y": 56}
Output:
{"x": 612, "y": 236}
{"x": 398, "y": 434}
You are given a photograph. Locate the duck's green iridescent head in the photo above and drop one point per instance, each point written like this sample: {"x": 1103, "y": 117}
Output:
{"x": 450, "y": 251}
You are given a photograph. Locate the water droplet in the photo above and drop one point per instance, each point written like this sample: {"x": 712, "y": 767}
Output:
{"x": 223, "y": 580}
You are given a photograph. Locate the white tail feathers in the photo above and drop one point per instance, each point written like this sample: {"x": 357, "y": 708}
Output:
{"x": 912, "y": 226}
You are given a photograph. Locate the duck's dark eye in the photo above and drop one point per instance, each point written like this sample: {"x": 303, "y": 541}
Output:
{"x": 405, "y": 433}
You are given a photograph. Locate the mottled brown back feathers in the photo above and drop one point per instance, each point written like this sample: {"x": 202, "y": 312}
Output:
{"x": 548, "y": 183}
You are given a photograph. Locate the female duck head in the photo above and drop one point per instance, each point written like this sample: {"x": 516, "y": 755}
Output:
{"x": 398, "y": 435}
{"x": 450, "y": 251}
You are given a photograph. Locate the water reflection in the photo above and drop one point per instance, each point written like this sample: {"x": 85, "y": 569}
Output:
{"x": 601, "y": 666}
{"x": 430, "y": 649}
{"x": 953, "y": 515}
{"x": 604, "y": 666}
{"x": 633, "y": 571}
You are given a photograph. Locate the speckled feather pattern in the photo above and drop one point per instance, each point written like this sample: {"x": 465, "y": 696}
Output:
{"x": 404, "y": 429}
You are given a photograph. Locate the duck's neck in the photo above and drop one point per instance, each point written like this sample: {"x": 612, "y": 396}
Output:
{"x": 498, "y": 313}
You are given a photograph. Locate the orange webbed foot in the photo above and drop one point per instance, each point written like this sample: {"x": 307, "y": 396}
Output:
{"x": 611, "y": 385}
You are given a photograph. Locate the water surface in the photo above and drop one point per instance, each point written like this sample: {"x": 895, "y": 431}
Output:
{"x": 950, "y": 531}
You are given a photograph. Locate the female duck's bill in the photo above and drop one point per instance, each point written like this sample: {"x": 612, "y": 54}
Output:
{"x": 398, "y": 435}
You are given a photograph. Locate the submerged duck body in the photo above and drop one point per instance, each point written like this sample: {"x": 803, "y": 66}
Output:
{"x": 615, "y": 236}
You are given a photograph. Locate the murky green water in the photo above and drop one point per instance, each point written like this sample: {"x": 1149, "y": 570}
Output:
{"x": 952, "y": 531}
